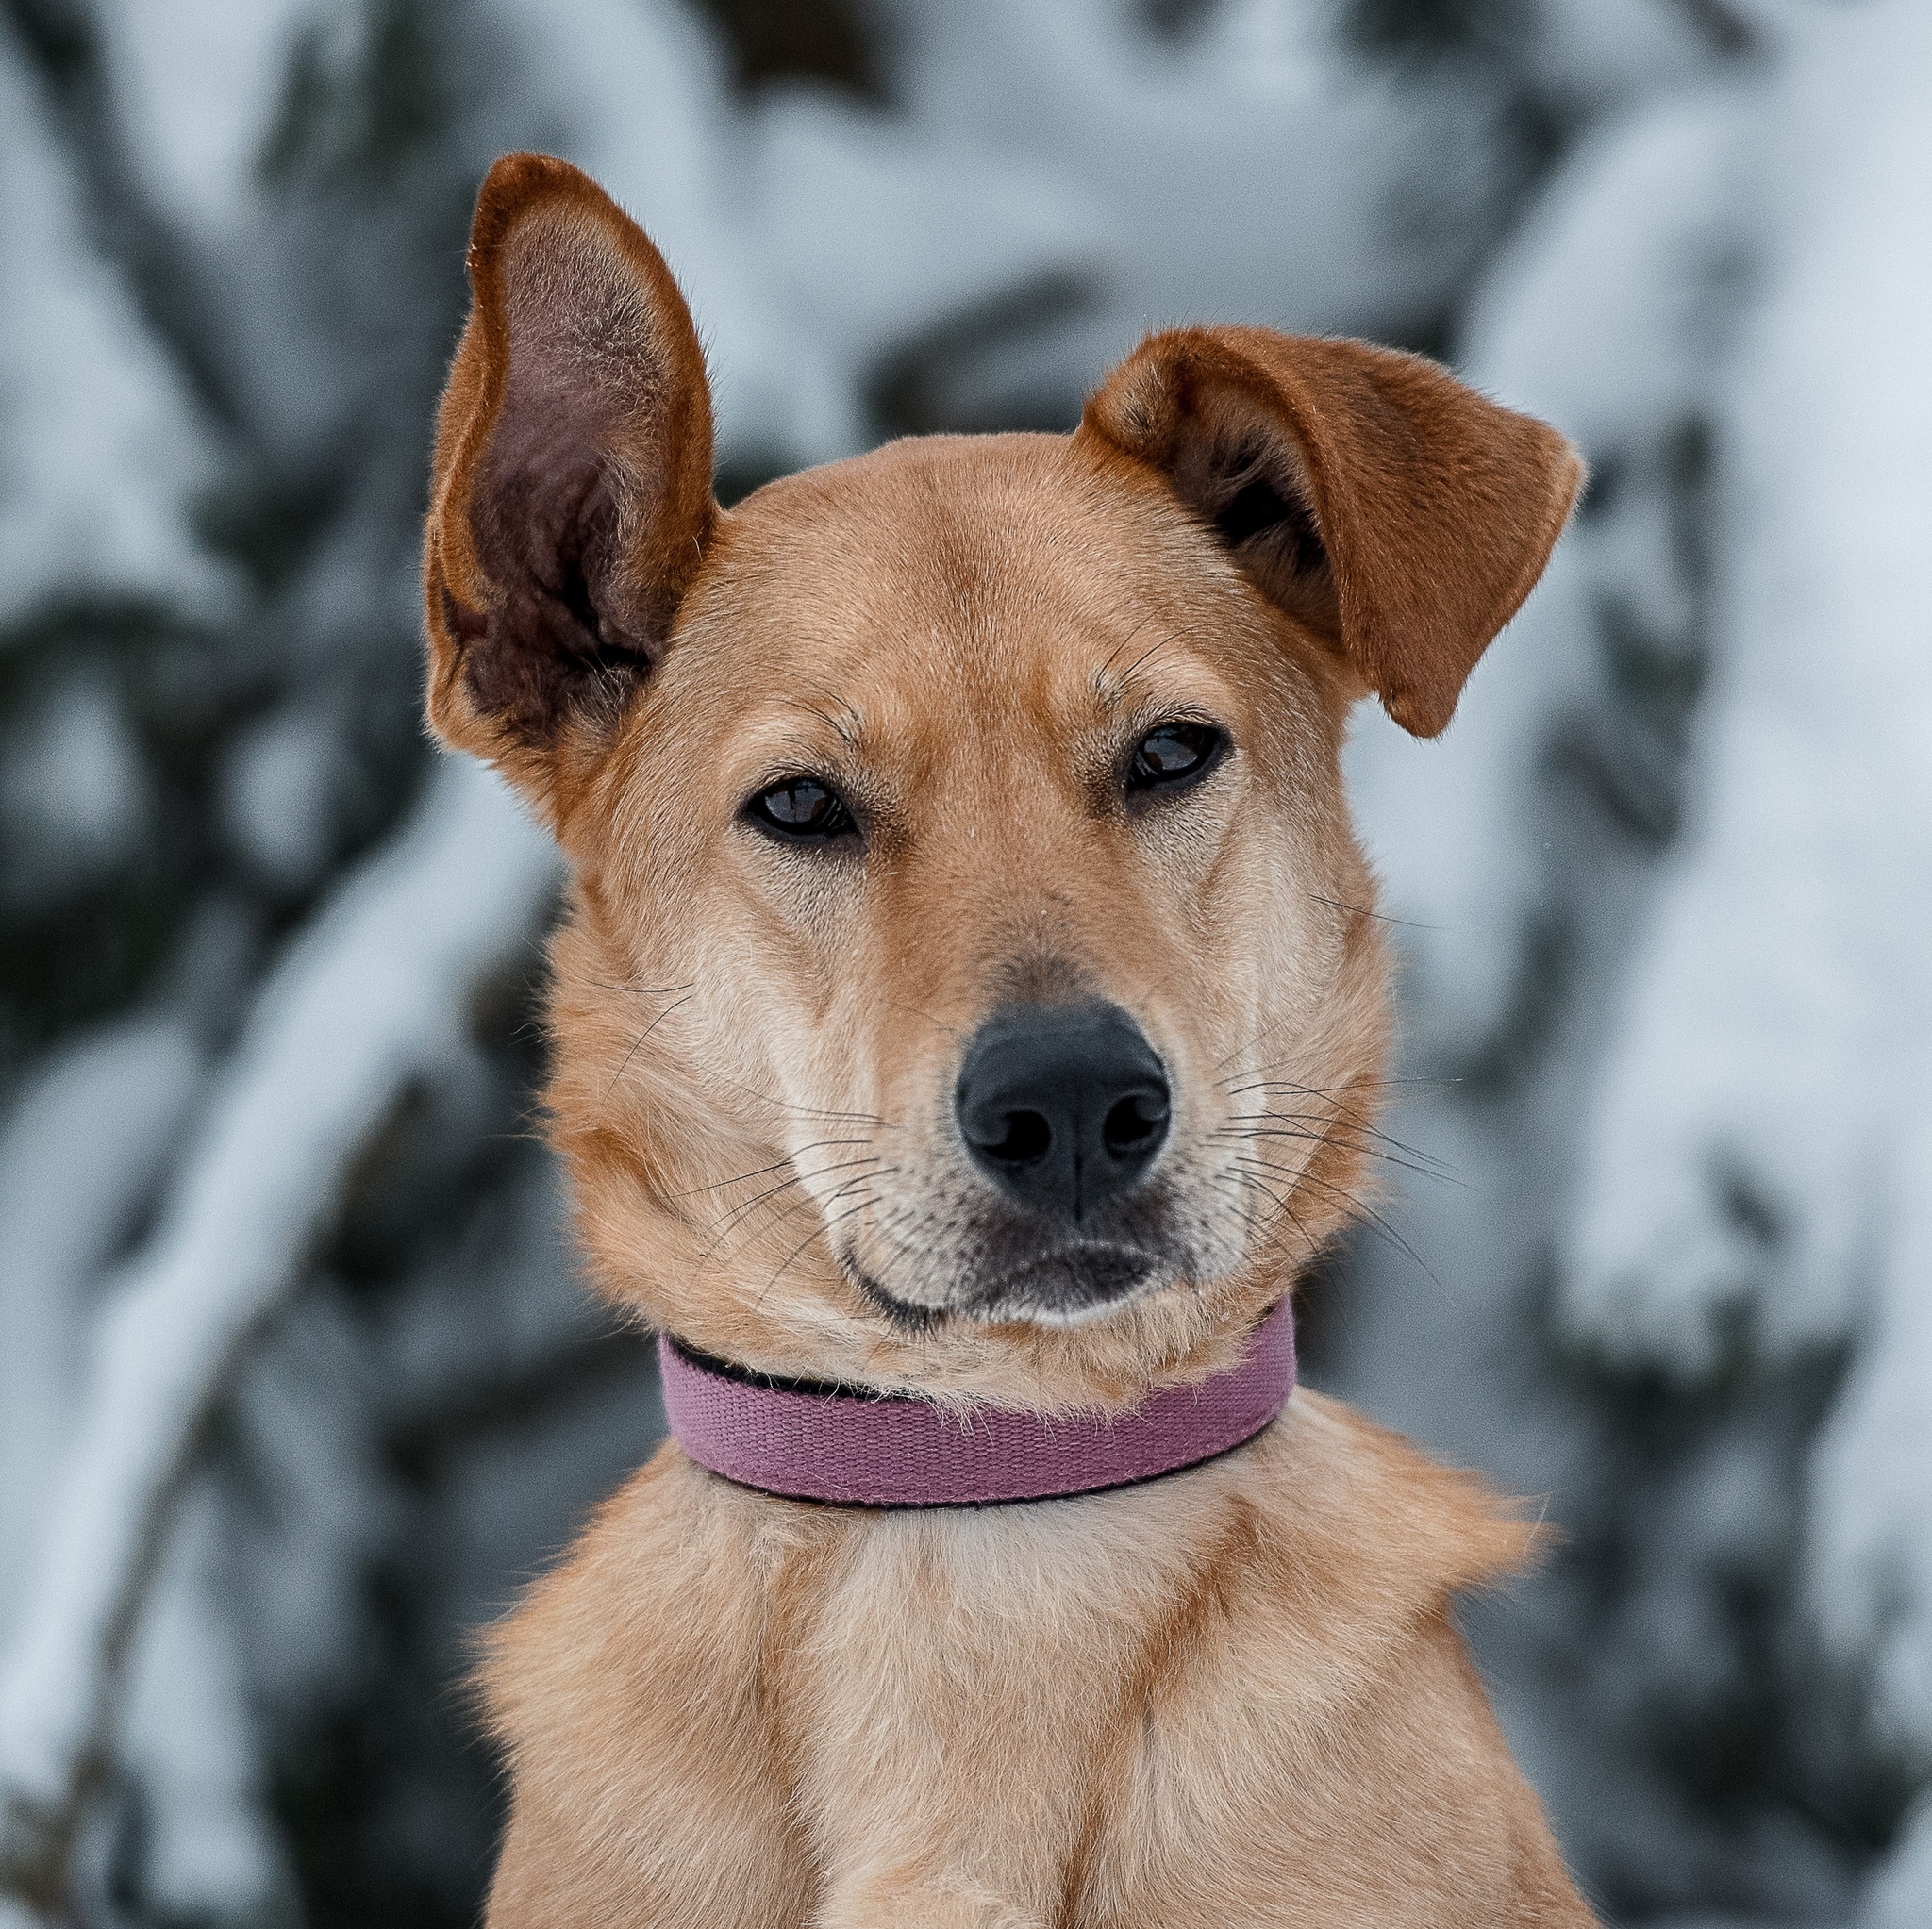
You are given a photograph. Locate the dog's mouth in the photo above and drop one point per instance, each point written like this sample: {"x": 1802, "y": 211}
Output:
{"x": 1063, "y": 1288}
{"x": 907, "y": 1315}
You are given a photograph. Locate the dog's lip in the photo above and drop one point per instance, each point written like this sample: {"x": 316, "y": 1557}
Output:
{"x": 909, "y": 1315}
{"x": 1133, "y": 1266}
{"x": 1126, "y": 1270}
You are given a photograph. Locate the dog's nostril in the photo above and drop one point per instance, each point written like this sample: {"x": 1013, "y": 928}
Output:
{"x": 1136, "y": 1124}
{"x": 1063, "y": 1107}
{"x": 1028, "y": 1136}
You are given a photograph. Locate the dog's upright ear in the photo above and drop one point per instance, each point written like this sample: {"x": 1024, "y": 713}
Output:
{"x": 1369, "y": 494}
{"x": 571, "y": 495}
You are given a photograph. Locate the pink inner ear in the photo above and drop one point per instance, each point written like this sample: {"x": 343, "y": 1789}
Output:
{"x": 571, "y": 482}
{"x": 547, "y": 527}
{"x": 571, "y": 478}
{"x": 1249, "y": 481}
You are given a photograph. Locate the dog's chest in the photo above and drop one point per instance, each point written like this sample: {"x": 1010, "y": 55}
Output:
{"x": 985, "y": 1633}
{"x": 1231, "y": 1697}
{"x": 976, "y": 1688}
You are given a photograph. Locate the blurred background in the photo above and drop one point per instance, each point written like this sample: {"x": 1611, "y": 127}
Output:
{"x": 296, "y": 1380}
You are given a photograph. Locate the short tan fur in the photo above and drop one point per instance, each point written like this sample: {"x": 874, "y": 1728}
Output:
{"x": 1231, "y": 1696}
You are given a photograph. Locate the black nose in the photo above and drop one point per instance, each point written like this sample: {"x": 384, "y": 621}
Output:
{"x": 1062, "y": 1105}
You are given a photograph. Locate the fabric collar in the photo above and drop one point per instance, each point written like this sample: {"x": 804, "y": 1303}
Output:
{"x": 814, "y": 1442}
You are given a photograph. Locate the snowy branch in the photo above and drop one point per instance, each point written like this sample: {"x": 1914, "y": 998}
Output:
{"x": 371, "y": 998}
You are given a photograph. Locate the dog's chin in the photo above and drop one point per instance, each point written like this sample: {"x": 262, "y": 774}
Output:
{"x": 1073, "y": 1286}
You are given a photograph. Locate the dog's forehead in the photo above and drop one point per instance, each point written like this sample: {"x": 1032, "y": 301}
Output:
{"x": 986, "y": 568}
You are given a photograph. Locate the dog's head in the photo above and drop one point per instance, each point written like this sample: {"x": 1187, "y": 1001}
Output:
{"x": 971, "y": 979}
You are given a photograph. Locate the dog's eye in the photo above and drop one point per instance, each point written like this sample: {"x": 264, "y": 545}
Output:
{"x": 1173, "y": 753}
{"x": 802, "y": 810}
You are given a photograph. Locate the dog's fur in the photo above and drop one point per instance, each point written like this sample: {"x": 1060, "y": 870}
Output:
{"x": 1232, "y": 1696}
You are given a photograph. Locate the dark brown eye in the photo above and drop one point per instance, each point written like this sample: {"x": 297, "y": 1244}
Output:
{"x": 802, "y": 810}
{"x": 1174, "y": 754}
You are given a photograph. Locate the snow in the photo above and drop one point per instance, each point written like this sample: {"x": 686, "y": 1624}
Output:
{"x": 1897, "y": 1897}
{"x": 1744, "y": 1048}
{"x": 773, "y": 216}
{"x": 1606, "y": 315}
{"x": 1252, "y": 175}
{"x": 189, "y": 1735}
{"x": 277, "y": 786}
{"x": 1660, "y": 889}
{"x": 1755, "y": 1122}
{"x": 584, "y": 66}
{"x": 199, "y": 83}
{"x": 82, "y": 1146}
{"x": 970, "y": 224}
{"x": 1759, "y": 1160}
{"x": 100, "y": 449}
{"x": 1605, "y": 55}
{"x": 1050, "y": 154}
{"x": 371, "y": 997}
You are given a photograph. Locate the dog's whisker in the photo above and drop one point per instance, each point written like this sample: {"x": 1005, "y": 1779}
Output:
{"x": 846, "y": 705}
{"x": 1261, "y": 1224}
{"x": 1335, "y": 903}
{"x": 1350, "y": 1124}
{"x": 818, "y": 1232}
{"x": 798, "y": 1180}
{"x": 896, "y": 1230}
{"x": 777, "y": 1165}
{"x": 808, "y": 1199}
{"x": 1264, "y": 1229}
{"x": 721, "y": 1241}
{"x": 1241, "y": 1051}
{"x": 1302, "y": 1137}
{"x": 938, "y": 1024}
{"x": 747, "y": 1205}
{"x": 624, "y": 1067}
{"x": 1281, "y": 1202}
{"x": 1353, "y": 1202}
{"x": 845, "y": 736}
{"x": 1282, "y": 1207}
{"x": 1337, "y": 1114}
{"x": 1338, "y": 1132}
{"x": 863, "y": 1178}
{"x": 1148, "y": 655}
{"x": 1269, "y": 1240}
{"x": 1355, "y": 1085}
{"x": 1098, "y": 681}
{"x": 764, "y": 1098}
{"x": 1341, "y": 1098}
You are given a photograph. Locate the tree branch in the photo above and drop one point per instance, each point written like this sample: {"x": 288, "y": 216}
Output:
{"x": 370, "y": 998}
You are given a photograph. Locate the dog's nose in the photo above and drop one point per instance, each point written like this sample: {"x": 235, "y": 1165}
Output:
{"x": 1062, "y": 1106}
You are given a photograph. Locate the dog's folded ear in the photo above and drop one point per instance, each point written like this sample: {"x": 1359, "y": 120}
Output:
{"x": 1369, "y": 494}
{"x": 571, "y": 495}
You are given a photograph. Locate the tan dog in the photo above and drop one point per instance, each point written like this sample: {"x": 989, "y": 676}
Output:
{"x": 938, "y": 740}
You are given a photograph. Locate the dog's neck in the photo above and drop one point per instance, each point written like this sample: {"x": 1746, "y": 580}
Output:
{"x": 808, "y": 1441}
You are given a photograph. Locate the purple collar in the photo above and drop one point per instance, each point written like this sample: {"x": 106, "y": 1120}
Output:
{"x": 827, "y": 1443}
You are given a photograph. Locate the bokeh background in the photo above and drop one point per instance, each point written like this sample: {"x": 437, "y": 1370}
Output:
{"x": 296, "y": 1380}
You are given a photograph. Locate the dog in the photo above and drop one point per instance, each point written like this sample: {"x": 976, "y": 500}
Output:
{"x": 971, "y": 1006}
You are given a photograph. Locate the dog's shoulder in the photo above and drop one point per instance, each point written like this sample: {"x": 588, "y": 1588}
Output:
{"x": 1350, "y": 1545}
{"x": 628, "y": 1691}
{"x": 1342, "y": 1532}
{"x": 1263, "y": 1639}
{"x": 1310, "y": 1725}
{"x": 1304, "y": 1738}
{"x": 674, "y": 1557}
{"x": 1351, "y": 1498}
